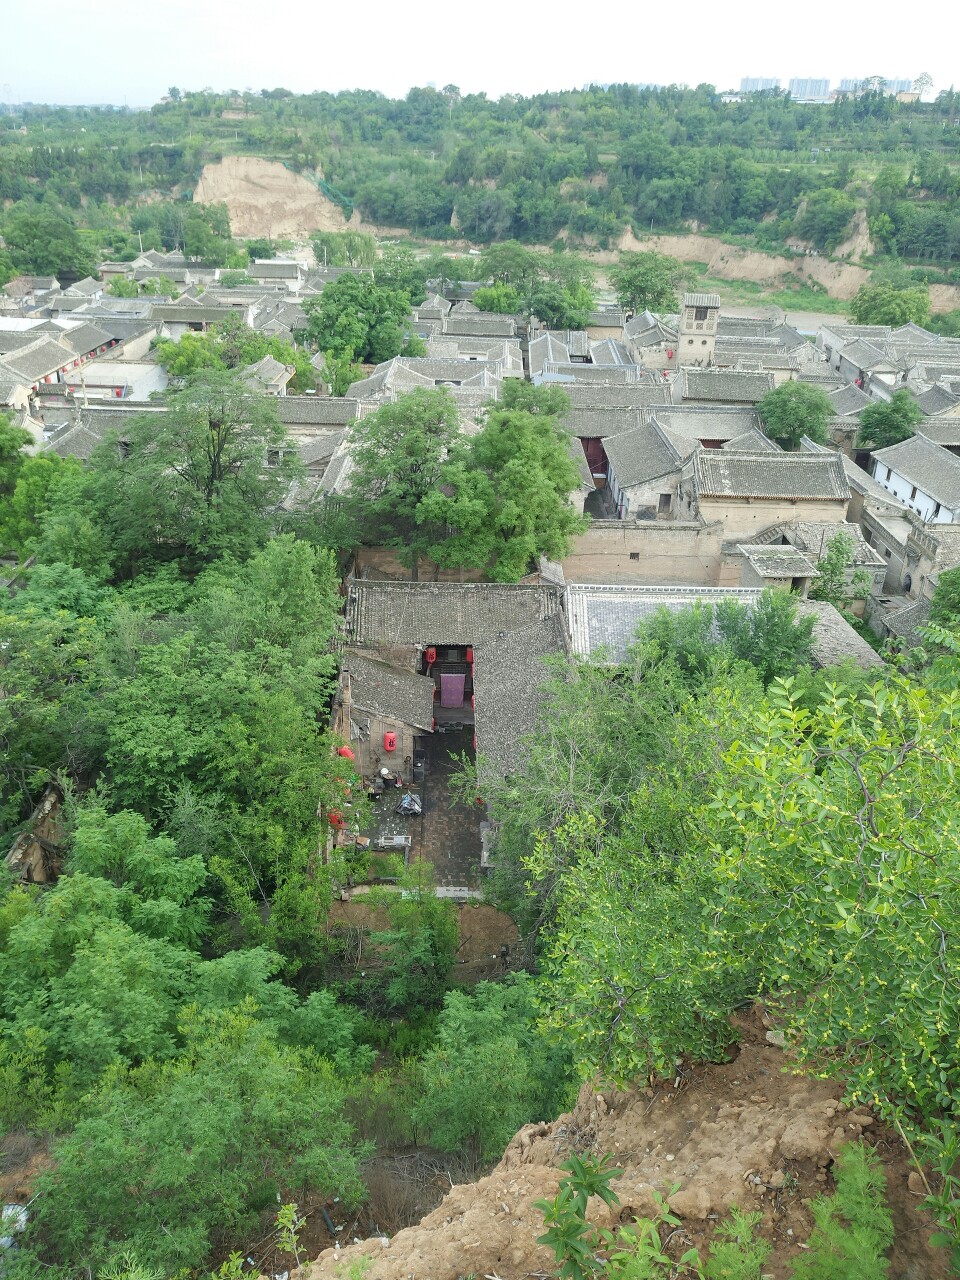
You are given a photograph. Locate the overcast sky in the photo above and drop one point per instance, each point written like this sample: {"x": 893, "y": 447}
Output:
{"x": 132, "y": 51}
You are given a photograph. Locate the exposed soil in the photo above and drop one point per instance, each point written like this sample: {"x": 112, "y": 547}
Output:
{"x": 481, "y": 932}
{"x": 749, "y": 1132}
{"x": 264, "y": 198}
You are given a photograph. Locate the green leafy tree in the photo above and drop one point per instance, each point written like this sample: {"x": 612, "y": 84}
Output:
{"x": 647, "y": 281}
{"x": 825, "y": 217}
{"x": 886, "y": 423}
{"x": 525, "y": 458}
{"x": 794, "y": 410}
{"x": 511, "y": 263}
{"x": 42, "y": 242}
{"x": 353, "y": 314}
{"x": 890, "y": 302}
{"x": 399, "y": 456}
{"x": 839, "y": 582}
{"x": 340, "y": 372}
{"x": 171, "y": 1160}
{"x": 121, "y": 287}
{"x": 13, "y": 440}
{"x": 490, "y": 1071}
{"x": 420, "y": 945}
{"x": 398, "y": 268}
{"x": 22, "y": 515}
{"x": 561, "y": 306}
{"x": 195, "y": 479}
{"x": 503, "y": 299}
{"x": 945, "y": 604}
{"x": 206, "y": 233}
{"x": 342, "y": 249}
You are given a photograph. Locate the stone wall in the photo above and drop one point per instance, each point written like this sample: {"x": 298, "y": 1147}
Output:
{"x": 646, "y": 551}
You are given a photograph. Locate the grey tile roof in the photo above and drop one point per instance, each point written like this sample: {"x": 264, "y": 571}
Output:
{"x": 633, "y": 395}
{"x": 192, "y": 313}
{"x": 316, "y": 410}
{"x": 600, "y": 424}
{"x": 13, "y": 339}
{"x": 509, "y": 673}
{"x": 443, "y": 613}
{"x": 319, "y": 448}
{"x": 267, "y": 371}
{"x": 777, "y": 561}
{"x": 903, "y": 623}
{"x": 85, "y": 338}
{"x": 814, "y": 538}
{"x": 936, "y": 400}
{"x": 866, "y": 356}
{"x": 609, "y": 352}
{"x": 556, "y": 371}
{"x": 275, "y": 270}
{"x": 77, "y": 441}
{"x": 706, "y": 422}
{"x": 710, "y": 384}
{"x": 848, "y": 400}
{"x": 934, "y": 470}
{"x": 480, "y": 325}
{"x": 701, "y": 299}
{"x": 386, "y": 690}
{"x": 943, "y": 430}
{"x": 606, "y": 318}
{"x": 834, "y": 640}
{"x": 43, "y": 357}
{"x": 752, "y": 441}
{"x": 606, "y": 617}
{"x": 801, "y": 476}
{"x": 641, "y": 455}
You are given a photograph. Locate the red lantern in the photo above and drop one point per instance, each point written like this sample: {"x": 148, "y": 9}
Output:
{"x": 346, "y": 753}
{"x": 669, "y": 353}
{"x": 389, "y": 741}
{"x": 469, "y": 655}
{"x": 335, "y": 818}
{"x": 430, "y": 655}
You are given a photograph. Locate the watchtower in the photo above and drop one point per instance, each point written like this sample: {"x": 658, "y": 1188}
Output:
{"x": 698, "y": 328}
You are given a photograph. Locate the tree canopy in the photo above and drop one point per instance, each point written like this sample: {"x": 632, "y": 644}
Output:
{"x": 495, "y": 500}
{"x": 794, "y": 410}
{"x": 356, "y": 317}
{"x": 201, "y": 478}
{"x": 888, "y": 302}
{"x": 647, "y": 281}
{"x": 888, "y": 422}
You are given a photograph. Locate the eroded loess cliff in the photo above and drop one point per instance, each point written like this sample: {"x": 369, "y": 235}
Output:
{"x": 750, "y": 1132}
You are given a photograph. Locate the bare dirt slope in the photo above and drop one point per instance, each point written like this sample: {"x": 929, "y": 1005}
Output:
{"x": 729, "y": 262}
{"x": 265, "y": 198}
{"x": 749, "y": 1133}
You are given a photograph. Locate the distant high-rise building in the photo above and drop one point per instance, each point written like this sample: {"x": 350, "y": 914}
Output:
{"x": 899, "y": 86}
{"x": 755, "y": 84}
{"x": 809, "y": 88}
{"x": 850, "y": 85}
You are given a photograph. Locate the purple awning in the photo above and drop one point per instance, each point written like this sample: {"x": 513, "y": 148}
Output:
{"x": 451, "y": 690}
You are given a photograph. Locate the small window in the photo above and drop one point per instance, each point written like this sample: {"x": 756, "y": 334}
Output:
{"x": 634, "y": 555}
{"x": 913, "y": 493}
{"x": 889, "y": 473}
{"x": 689, "y": 342}
{"x": 273, "y": 457}
{"x": 703, "y": 342}
{"x": 886, "y": 552}
{"x": 700, "y": 313}
{"x": 936, "y": 510}
{"x": 664, "y": 503}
